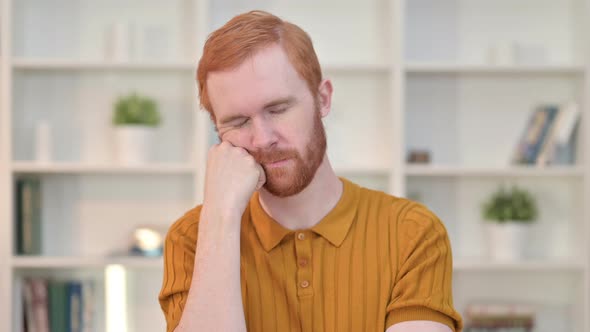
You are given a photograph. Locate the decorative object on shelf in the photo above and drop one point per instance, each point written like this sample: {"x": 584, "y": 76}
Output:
{"x": 43, "y": 142}
{"x": 535, "y": 134}
{"x": 154, "y": 43}
{"x": 119, "y": 42}
{"x": 147, "y": 241}
{"x": 415, "y": 196}
{"x": 549, "y": 136}
{"x": 419, "y": 156}
{"x": 510, "y": 53}
{"x": 493, "y": 316}
{"x": 508, "y": 214}
{"x": 530, "y": 54}
{"x": 502, "y": 53}
{"x": 135, "y": 119}
{"x": 560, "y": 145}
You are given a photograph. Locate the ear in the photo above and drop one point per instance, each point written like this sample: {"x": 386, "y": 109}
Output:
{"x": 325, "y": 97}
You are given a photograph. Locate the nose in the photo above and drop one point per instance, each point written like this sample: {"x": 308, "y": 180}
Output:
{"x": 263, "y": 134}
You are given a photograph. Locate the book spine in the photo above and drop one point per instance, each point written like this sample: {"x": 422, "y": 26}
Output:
{"x": 40, "y": 305}
{"x": 540, "y": 134}
{"x": 548, "y": 144}
{"x": 75, "y": 306}
{"x": 87, "y": 306}
{"x": 28, "y": 200}
{"x": 28, "y": 306}
{"x": 57, "y": 305}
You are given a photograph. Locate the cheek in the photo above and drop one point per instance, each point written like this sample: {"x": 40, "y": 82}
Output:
{"x": 236, "y": 138}
{"x": 295, "y": 134}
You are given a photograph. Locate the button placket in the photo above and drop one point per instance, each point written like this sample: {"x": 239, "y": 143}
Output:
{"x": 303, "y": 256}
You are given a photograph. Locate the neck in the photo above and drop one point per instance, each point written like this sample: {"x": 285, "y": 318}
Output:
{"x": 305, "y": 209}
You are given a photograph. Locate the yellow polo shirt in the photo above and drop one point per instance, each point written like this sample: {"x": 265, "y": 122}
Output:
{"x": 373, "y": 261}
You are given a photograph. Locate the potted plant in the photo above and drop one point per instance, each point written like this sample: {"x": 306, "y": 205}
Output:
{"x": 135, "y": 119}
{"x": 509, "y": 214}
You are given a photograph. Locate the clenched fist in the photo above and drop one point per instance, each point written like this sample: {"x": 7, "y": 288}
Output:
{"x": 231, "y": 178}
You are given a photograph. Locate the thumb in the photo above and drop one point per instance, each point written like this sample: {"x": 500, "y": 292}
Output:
{"x": 261, "y": 177}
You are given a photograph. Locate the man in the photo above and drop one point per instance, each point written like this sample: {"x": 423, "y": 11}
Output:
{"x": 281, "y": 243}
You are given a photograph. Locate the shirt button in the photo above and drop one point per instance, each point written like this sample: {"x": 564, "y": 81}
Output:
{"x": 301, "y": 236}
{"x": 303, "y": 262}
{"x": 304, "y": 284}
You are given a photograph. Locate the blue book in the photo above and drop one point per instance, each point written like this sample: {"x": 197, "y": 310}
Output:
{"x": 74, "y": 306}
{"x": 535, "y": 134}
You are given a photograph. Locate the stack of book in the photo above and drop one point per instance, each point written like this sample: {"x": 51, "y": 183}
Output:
{"x": 499, "y": 317}
{"x": 550, "y": 136}
{"x": 28, "y": 216}
{"x": 58, "y": 306}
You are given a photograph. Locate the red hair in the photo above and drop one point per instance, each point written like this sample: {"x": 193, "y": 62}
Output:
{"x": 244, "y": 35}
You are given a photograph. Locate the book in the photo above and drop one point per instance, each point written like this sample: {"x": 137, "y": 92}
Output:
{"x": 58, "y": 316}
{"x": 535, "y": 134}
{"x": 505, "y": 317}
{"x": 74, "y": 306}
{"x": 36, "y": 305}
{"x": 559, "y": 147}
{"x": 563, "y": 149}
{"x": 29, "y": 317}
{"x": 87, "y": 306}
{"x": 28, "y": 216}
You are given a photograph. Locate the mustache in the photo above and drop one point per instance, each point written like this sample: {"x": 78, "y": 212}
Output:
{"x": 271, "y": 156}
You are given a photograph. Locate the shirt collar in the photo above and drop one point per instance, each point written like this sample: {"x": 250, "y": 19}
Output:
{"x": 333, "y": 227}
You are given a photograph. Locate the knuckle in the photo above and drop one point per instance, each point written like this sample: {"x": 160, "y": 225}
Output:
{"x": 250, "y": 160}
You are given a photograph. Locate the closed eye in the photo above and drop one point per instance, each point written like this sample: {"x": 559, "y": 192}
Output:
{"x": 240, "y": 123}
{"x": 278, "y": 110}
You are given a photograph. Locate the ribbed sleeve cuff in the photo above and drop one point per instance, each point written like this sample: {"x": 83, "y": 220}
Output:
{"x": 418, "y": 313}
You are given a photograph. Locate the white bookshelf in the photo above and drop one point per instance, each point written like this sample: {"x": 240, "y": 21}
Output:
{"x": 407, "y": 75}
{"x": 533, "y": 266}
{"x": 510, "y": 171}
{"x": 97, "y": 168}
{"x": 474, "y": 69}
{"x": 50, "y": 64}
{"x": 472, "y": 111}
{"x": 61, "y": 64}
{"x": 85, "y": 262}
{"x": 157, "y": 263}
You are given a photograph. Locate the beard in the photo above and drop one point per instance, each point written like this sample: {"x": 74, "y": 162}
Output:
{"x": 291, "y": 178}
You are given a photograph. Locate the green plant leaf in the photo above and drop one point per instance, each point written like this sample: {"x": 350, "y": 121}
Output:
{"x": 136, "y": 110}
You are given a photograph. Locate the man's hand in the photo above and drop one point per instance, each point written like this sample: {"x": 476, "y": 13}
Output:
{"x": 232, "y": 177}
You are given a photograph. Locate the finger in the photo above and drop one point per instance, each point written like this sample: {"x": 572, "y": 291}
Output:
{"x": 261, "y": 177}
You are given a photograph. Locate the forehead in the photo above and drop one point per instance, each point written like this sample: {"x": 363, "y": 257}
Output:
{"x": 262, "y": 78}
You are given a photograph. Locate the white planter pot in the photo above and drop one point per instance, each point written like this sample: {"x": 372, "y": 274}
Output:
{"x": 506, "y": 241}
{"x": 133, "y": 144}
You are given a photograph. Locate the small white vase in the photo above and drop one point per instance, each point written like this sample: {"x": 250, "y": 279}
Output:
{"x": 133, "y": 144}
{"x": 506, "y": 241}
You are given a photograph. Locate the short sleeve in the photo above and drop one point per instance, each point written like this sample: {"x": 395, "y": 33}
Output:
{"x": 423, "y": 279}
{"x": 179, "y": 258}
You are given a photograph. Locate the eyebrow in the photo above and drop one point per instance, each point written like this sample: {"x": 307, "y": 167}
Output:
{"x": 273, "y": 103}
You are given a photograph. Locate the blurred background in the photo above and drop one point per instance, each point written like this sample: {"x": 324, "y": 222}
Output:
{"x": 477, "y": 108}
